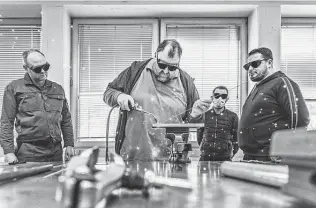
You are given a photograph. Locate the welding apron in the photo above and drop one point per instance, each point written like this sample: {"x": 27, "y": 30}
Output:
{"x": 164, "y": 101}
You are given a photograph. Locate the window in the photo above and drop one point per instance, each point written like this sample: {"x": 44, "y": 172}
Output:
{"x": 211, "y": 55}
{"x": 105, "y": 48}
{"x": 14, "y": 39}
{"x": 298, "y": 61}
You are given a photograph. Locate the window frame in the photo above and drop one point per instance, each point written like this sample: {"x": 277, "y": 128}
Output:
{"x": 74, "y": 88}
{"x": 300, "y": 21}
{"x": 295, "y": 21}
{"x": 25, "y": 22}
{"x": 240, "y": 22}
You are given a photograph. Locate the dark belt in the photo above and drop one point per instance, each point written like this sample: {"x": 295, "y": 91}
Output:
{"x": 39, "y": 142}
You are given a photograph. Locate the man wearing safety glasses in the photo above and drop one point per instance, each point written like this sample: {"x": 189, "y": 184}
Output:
{"x": 274, "y": 103}
{"x": 39, "y": 110}
{"x": 218, "y": 137}
{"x": 161, "y": 88}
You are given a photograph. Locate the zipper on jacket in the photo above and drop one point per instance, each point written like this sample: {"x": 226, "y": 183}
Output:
{"x": 215, "y": 136}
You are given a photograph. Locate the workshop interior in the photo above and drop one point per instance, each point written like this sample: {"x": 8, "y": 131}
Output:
{"x": 173, "y": 103}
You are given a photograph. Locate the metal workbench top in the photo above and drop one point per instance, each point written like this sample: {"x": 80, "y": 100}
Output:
{"x": 209, "y": 189}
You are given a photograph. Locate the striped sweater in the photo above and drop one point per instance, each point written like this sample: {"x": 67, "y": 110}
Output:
{"x": 275, "y": 103}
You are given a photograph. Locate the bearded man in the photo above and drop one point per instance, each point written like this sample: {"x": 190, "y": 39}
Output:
{"x": 274, "y": 103}
{"x": 161, "y": 88}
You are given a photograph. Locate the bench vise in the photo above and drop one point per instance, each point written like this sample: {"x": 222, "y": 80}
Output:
{"x": 178, "y": 134}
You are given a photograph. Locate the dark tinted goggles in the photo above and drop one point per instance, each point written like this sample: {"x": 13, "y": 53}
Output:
{"x": 165, "y": 65}
{"x": 38, "y": 69}
{"x": 223, "y": 96}
{"x": 254, "y": 64}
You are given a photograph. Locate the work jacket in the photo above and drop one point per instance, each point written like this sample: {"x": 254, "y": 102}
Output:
{"x": 275, "y": 103}
{"x": 218, "y": 138}
{"x": 39, "y": 114}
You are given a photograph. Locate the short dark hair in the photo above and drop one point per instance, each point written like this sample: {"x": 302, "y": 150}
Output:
{"x": 265, "y": 52}
{"x": 221, "y": 87}
{"x": 26, "y": 53}
{"x": 175, "y": 47}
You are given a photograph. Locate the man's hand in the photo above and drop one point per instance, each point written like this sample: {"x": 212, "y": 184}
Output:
{"x": 69, "y": 152}
{"x": 201, "y": 106}
{"x": 10, "y": 158}
{"x": 123, "y": 100}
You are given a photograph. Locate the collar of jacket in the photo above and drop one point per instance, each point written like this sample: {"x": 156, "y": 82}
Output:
{"x": 213, "y": 111}
{"x": 272, "y": 76}
{"x": 28, "y": 81}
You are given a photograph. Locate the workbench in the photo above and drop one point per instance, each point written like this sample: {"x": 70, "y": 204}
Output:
{"x": 209, "y": 189}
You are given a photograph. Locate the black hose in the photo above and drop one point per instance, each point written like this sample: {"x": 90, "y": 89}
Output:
{"x": 107, "y": 135}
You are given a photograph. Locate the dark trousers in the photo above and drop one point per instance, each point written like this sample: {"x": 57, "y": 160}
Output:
{"x": 39, "y": 151}
{"x": 259, "y": 158}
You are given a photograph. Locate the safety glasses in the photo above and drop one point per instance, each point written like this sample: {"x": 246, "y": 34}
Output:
{"x": 164, "y": 65}
{"x": 254, "y": 64}
{"x": 38, "y": 69}
{"x": 218, "y": 95}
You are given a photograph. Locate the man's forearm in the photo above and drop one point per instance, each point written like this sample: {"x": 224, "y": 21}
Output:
{"x": 110, "y": 96}
{"x": 68, "y": 134}
{"x": 6, "y": 138}
{"x": 194, "y": 118}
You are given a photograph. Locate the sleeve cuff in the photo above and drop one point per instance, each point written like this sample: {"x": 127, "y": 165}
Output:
{"x": 69, "y": 143}
{"x": 8, "y": 150}
{"x": 190, "y": 119}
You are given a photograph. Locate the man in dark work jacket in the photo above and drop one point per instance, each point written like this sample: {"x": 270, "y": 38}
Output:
{"x": 39, "y": 110}
{"x": 274, "y": 103}
{"x": 218, "y": 137}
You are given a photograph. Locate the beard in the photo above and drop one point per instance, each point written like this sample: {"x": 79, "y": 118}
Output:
{"x": 257, "y": 76}
{"x": 162, "y": 77}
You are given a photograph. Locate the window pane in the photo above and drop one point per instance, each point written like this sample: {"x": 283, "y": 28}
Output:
{"x": 211, "y": 55}
{"x": 13, "y": 41}
{"x": 298, "y": 61}
{"x": 105, "y": 50}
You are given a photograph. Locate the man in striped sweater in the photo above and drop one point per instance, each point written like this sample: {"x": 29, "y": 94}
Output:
{"x": 274, "y": 103}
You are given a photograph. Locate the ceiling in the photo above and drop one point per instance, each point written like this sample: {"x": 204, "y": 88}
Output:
{"x": 160, "y": 10}
{"x": 153, "y": 10}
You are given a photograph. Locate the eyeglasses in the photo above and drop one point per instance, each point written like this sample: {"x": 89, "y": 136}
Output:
{"x": 38, "y": 69}
{"x": 254, "y": 64}
{"x": 165, "y": 65}
{"x": 218, "y": 95}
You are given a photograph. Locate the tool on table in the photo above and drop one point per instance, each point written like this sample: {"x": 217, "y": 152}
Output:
{"x": 297, "y": 173}
{"x": 178, "y": 133}
{"x": 17, "y": 163}
{"x": 15, "y": 172}
{"x": 84, "y": 186}
{"x": 263, "y": 173}
{"x": 297, "y": 148}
